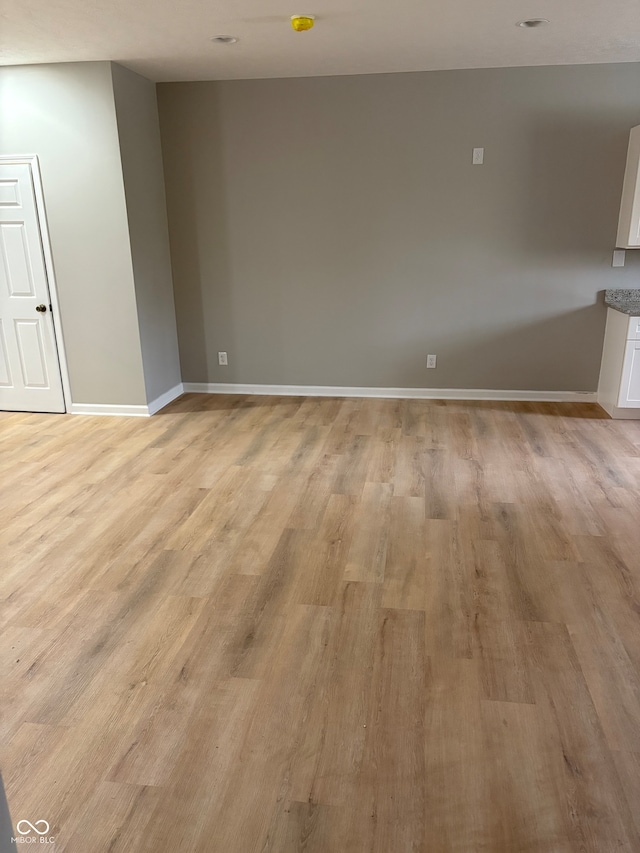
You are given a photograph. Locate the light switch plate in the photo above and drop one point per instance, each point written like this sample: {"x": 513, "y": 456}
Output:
{"x": 618, "y": 258}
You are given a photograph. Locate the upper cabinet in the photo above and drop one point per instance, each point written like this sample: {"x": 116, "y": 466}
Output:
{"x": 629, "y": 222}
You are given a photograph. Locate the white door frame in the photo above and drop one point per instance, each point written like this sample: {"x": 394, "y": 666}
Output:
{"x": 31, "y": 160}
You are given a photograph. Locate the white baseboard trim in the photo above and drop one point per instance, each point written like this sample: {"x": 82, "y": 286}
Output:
{"x": 108, "y": 409}
{"x": 164, "y": 399}
{"x": 129, "y": 411}
{"x": 392, "y": 393}
{"x": 334, "y": 391}
{"x": 620, "y": 413}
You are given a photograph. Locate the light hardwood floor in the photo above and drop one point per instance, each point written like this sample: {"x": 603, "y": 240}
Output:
{"x": 333, "y": 626}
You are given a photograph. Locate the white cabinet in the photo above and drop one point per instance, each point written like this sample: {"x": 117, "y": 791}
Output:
{"x": 629, "y": 222}
{"x": 630, "y": 384}
{"x": 619, "y": 385}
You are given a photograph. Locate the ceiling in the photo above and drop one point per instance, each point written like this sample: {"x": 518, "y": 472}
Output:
{"x": 170, "y": 39}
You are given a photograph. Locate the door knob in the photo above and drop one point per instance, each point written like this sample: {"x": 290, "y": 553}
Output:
{"x": 41, "y": 308}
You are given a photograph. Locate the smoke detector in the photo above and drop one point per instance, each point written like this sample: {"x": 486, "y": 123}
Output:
{"x": 532, "y": 23}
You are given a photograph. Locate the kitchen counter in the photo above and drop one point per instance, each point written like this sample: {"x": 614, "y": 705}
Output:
{"x": 625, "y": 301}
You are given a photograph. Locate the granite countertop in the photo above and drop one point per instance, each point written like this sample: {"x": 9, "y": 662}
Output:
{"x": 626, "y": 301}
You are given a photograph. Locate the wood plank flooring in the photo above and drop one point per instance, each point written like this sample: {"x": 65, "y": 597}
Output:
{"x": 333, "y": 626}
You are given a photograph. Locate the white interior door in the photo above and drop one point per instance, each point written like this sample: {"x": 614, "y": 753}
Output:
{"x": 29, "y": 367}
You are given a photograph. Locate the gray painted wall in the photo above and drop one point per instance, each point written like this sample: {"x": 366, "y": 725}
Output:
{"x": 66, "y": 115}
{"x": 333, "y": 231}
{"x": 139, "y": 135}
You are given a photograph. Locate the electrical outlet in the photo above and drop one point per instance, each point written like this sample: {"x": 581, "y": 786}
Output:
{"x": 431, "y": 360}
{"x": 222, "y": 358}
{"x": 618, "y": 258}
{"x": 478, "y": 156}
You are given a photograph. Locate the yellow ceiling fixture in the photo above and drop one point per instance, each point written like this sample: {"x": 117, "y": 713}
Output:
{"x": 300, "y": 23}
